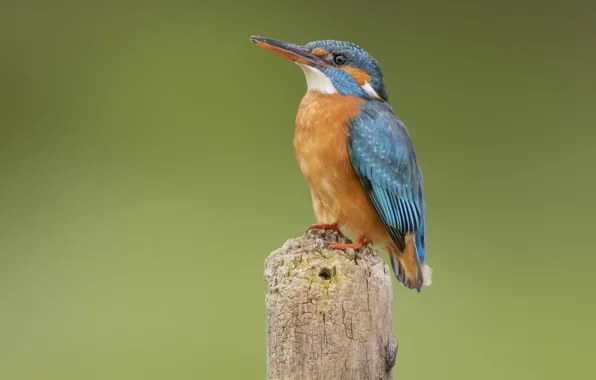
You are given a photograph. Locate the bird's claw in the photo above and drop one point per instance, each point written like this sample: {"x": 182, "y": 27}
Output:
{"x": 356, "y": 245}
{"x": 333, "y": 227}
{"x": 362, "y": 242}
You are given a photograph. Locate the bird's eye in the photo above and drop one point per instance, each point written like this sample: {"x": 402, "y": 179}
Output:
{"x": 339, "y": 59}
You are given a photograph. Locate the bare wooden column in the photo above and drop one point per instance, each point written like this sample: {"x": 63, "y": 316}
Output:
{"x": 328, "y": 315}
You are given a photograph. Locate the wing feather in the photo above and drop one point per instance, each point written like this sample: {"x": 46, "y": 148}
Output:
{"x": 382, "y": 155}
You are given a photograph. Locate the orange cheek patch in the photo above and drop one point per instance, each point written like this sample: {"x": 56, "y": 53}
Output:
{"x": 282, "y": 52}
{"x": 359, "y": 75}
{"x": 320, "y": 52}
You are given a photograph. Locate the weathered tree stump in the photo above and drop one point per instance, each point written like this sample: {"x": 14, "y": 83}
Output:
{"x": 328, "y": 312}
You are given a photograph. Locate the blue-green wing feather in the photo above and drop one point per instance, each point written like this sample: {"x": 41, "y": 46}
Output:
{"x": 382, "y": 155}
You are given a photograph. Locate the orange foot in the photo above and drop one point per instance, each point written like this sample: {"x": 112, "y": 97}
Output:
{"x": 356, "y": 245}
{"x": 334, "y": 227}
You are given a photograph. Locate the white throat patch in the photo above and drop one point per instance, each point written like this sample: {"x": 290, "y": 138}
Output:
{"x": 317, "y": 80}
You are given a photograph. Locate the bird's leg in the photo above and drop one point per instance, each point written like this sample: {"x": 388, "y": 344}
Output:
{"x": 356, "y": 245}
{"x": 334, "y": 227}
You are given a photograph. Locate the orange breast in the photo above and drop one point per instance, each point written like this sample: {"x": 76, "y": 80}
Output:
{"x": 320, "y": 143}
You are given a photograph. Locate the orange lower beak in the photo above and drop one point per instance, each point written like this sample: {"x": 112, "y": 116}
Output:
{"x": 296, "y": 53}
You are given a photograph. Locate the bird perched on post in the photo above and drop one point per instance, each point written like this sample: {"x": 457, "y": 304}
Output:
{"x": 357, "y": 156}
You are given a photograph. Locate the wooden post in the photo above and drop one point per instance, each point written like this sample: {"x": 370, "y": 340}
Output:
{"x": 328, "y": 312}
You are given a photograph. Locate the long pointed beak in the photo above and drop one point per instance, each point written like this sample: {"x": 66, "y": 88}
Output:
{"x": 296, "y": 53}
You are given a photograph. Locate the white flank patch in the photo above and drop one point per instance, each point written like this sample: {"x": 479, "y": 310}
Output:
{"x": 317, "y": 80}
{"x": 327, "y": 188}
{"x": 426, "y": 275}
{"x": 370, "y": 90}
{"x": 326, "y": 185}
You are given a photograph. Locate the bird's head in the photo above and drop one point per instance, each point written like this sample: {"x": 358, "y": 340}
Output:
{"x": 333, "y": 66}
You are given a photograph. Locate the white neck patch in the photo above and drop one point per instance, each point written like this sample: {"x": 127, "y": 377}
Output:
{"x": 317, "y": 80}
{"x": 370, "y": 90}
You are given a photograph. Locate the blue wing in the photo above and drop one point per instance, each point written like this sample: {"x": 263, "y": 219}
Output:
{"x": 382, "y": 155}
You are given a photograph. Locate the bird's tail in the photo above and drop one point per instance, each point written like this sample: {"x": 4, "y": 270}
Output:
{"x": 407, "y": 265}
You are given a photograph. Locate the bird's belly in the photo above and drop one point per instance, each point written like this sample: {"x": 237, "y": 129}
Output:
{"x": 338, "y": 195}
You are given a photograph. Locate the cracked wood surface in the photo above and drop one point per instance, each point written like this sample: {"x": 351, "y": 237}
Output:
{"x": 328, "y": 315}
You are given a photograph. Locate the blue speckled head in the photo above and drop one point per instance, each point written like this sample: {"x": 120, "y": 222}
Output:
{"x": 347, "y": 58}
{"x": 333, "y": 66}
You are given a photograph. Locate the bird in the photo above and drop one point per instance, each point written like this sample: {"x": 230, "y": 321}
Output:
{"x": 357, "y": 156}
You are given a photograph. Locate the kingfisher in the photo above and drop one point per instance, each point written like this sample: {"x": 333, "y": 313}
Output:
{"x": 357, "y": 156}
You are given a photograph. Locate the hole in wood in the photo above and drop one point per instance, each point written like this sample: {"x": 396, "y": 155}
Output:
{"x": 325, "y": 274}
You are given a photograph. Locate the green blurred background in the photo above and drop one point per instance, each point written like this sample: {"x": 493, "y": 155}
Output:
{"x": 147, "y": 170}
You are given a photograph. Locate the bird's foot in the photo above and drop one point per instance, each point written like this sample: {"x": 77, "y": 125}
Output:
{"x": 356, "y": 245}
{"x": 333, "y": 227}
